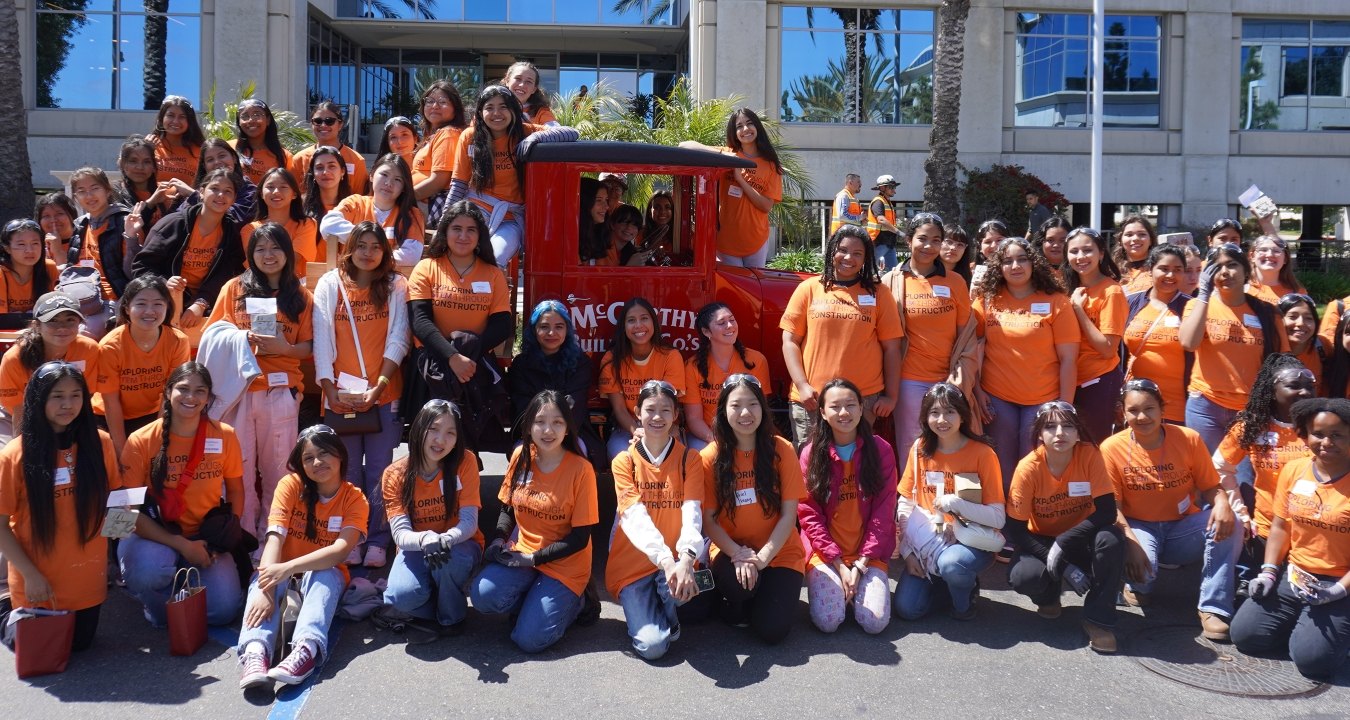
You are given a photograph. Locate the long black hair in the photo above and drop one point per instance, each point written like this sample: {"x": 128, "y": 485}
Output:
{"x": 868, "y": 275}
{"x": 763, "y": 145}
{"x": 212, "y": 144}
{"x": 944, "y": 394}
{"x": 483, "y": 170}
{"x": 126, "y": 188}
{"x": 271, "y": 138}
{"x": 1256, "y": 416}
{"x": 703, "y": 324}
{"x": 253, "y": 283}
{"x": 524, "y": 460}
{"x": 620, "y": 349}
{"x": 145, "y": 283}
{"x": 193, "y": 137}
{"x": 40, "y": 444}
{"x": 1105, "y": 265}
{"x": 389, "y": 125}
{"x": 440, "y": 246}
{"x": 326, "y": 439}
{"x": 406, "y": 201}
{"x": 818, "y": 469}
{"x": 382, "y": 285}
{"x": 40, "y": 283}
{"x": 1336, "y": 370}
{"x": 297, "y": 209}
{"x": 417, "y": 434}
{"x": 592, "y": 240}
{"x": 313, "y": 201}
{"x": 1054, "y": 222}
{"x": 768, "y": 486}
{"x": 159, "y": 464}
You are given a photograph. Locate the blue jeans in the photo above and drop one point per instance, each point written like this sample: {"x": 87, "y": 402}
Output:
{"x": 320, "y": 591}
{"x": 1315, "y": 637}
{"x": 886, "y": 254}
{"x": 367, "y": 457}
{"x": 1208, "y": 418}
{"x": 618, "y": 442}
{"x": 958, "y": 568}
{"x": 1180, "y": 542}
{"x": 546, "y": 607}
{"x": 907, "y": 420}
{"x": 1011, "y": 433}
{"x": 649, "y": 610}
{"x": 421, "y": 592}
{"x": 148, "y": 569}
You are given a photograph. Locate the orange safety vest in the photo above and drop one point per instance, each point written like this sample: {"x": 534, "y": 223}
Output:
{"x": 854, "y": 211}
{"x": 873, "y": 227}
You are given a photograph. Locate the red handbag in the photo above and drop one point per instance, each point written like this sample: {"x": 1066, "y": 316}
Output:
{"x": 186, "y": 609}
{"x": 42, "y": 641}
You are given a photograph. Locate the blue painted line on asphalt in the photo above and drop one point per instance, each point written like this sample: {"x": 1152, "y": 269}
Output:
{"x": 291, "y": 700}
{"x": 225, "y": 635}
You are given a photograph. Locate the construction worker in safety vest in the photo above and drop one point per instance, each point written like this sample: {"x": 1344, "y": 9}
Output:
{"x": 847, "y": 210}
{"x": 881, "y": 221}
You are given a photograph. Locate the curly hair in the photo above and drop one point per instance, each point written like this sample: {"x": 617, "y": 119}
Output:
{"x": 868, "y": 276}
{"x": 1261, "y": 407}
{"x": 1042, "y": 277}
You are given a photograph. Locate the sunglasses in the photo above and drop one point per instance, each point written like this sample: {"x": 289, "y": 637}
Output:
{"x": 1055, "y": 406}
{"x": 1297, "y": 297}
{"x": 737, "y": 378}
{"x": 22, "y": 224}
{"x": 49, "y": 369}
{"x": 926, "y": 218}
{"x": 660, "y": 385}
{"x": 1293, "y": 373}
{"x": 396, "y": 120}
{"x": 1084, "y": 230}
{"x": 1222, "y": 223}
{"x": 324, "y": 121}
{"x": 1140, "y": 384}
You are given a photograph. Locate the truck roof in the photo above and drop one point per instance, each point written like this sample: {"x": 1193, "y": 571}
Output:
{"x": 628, "y": 153}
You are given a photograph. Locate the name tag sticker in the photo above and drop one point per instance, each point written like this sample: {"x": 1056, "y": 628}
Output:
{"x": 214, "y": 446}
{"x": 1304, "y": 487}
{"x": 1251, "y": 321}
{"x": 458, "y": 484}
{"x": 246, "y": 159}
{"x": 87, "y": 262}
{"x": 935, "y": 477}
{"x": 335, "y": 523}
{"x": 470, "y": 151}
{"x": 1184, "y": 505}
{"x": 61, "y": 476}
{"x": 389, "y": 233}
{"x": 1172, "y": 321}
{"x": 867, "y": 300}
{"x": 482, "y": 287}
{"x": 1041, "y": 308}
{"x": 734, "y": 190}
{"x": 1080, "y": 489}
{"x": 942, "y": 291}
{"x": 745, "y": 497}
{"x": 351, "y": 168}
{"x": 278, "y": 379}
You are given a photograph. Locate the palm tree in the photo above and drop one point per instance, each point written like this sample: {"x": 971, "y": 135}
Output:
{"x": 654, "y": 11}
{"x": 425, "y": 9}
{"x": 156, "y": 42}
{"x": 856, "y": 24}
{"x": 949, "y": 55}
{"x": 16, "y": 175}
{"x": 292, "y": 131}
{"x": 823, "y": 98}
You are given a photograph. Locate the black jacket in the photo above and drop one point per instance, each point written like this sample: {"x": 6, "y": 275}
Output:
{"x": 162, "y": 253}
{"x": 113, "y": 252}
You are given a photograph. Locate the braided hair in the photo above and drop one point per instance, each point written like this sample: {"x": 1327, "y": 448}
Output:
{"x": 1256, "y": 416}
{"x": 159, "y": 464}
{"x": 868, "y": 276}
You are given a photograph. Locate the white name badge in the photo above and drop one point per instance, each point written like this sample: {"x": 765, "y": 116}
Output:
{"x": 351, "y": 168}
{"x": 942, "y": 291}
{"x": 1271, "y": 438}
{"x": 1304, "y": 487}
{"x": 61, "y": 476}
{"x": 1041, "y": 308}
{"x": 79, "y": 365}
{"x": 935, "y": 477}
{"x": 214, "y": 446}
{"x": 1251, "y": 321}
{"x": 278, "y": 379}
{"x": 867, "y": 300}
{"x": 335, "y": 523}
{"x": 260, "y": 306}
{"x": 734, "y": 190}
{"x": 458, "y": 484}
{"x": 470, "y": 149}
{"x": 246, "y": 159}
{"x": 1172, "y": 321}
{"x": 1184, "y": 505}
{"x": 87, "y": 262}
{"x": 745, "y": 497}
{"x": 389, "y": 233}
{"x": 1080, "y": 489}
{"x": 482, "y": 287}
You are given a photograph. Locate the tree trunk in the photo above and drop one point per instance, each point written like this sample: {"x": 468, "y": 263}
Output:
{"x": 855, "y": 45}
{"x": 16, "y": 174}
{"x": 156, "y": 42}
{"x": 949, "y": 54}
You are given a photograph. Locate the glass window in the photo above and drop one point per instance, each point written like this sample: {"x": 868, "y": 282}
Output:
{"x": 1054, "y": 77}
{"x": 857, "y": 65}
{"x": 1294, "y": 75}
{"x": 114, "y": 54}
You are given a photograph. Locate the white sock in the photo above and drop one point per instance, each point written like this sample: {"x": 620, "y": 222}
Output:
{"x": 255, "y": 646}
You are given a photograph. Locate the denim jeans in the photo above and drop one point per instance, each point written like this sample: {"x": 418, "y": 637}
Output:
{"x": 907, "y": 420}
{"x": 1315, "y": 637}
{"x": 649, "y": 609}
{"x": 148, "y": 569}
{"x": 320, "y": 591}
{"x": 886, "y": 254}
{"x": 546, "y": 607}
{"x": 425, "y": 593}
{"x": 1011, "y": 433}
{"x": 367, "y": 457}
{"x": 1180, "y": 542}
{"x": 958, "y": 569}
{"x": 1208, "y": 418}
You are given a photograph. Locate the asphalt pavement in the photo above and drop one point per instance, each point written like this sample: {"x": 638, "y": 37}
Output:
{"x": 1007, "y": 663}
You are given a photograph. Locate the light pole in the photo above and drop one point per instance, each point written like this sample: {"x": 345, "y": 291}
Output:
{"x": 1098, "y": 63}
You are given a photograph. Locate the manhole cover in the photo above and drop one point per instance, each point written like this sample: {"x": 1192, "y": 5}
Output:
{"x": 1177, "y": 652}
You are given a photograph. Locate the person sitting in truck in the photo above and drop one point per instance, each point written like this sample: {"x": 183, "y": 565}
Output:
{"x": 659, "y": 232}
{"x": 625, "y": 237}
{"x": 638, "y": 354}
{"x": 592, "y": 239}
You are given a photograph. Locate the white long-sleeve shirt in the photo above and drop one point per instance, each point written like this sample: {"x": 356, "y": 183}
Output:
{"x": 398, "y": 337}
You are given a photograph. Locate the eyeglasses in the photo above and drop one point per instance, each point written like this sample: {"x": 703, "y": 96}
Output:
{"x": 324, "y": 121}
{"x": 926, "y": 218}
{"x": 22, "y": 224}
{"x": 436, "y": 102}
{"x": 660, "y": 386}
{"x": 1140, "y": 384}
{"x": 49, "y": 369}
{"x": 1055, "y": 406}
{"x": 737, "y": 378}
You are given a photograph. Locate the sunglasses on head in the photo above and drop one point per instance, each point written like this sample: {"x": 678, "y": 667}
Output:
{"x": 926, "y": 218}
{"x": 1140, "y": 384}
{"x": 660, "y": 386}
{"x": 1055, "y": 406}
{"x": 740, "y": 378}
{"x": 22, "y": 224}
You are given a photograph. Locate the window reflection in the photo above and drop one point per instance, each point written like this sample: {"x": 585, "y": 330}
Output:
{"x": 1294, "y": 75}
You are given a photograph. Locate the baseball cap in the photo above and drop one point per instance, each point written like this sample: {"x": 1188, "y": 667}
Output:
{"x": 621, "y": 178}
{"x": 54, "y": 303}
{"x": 883, "y": 180}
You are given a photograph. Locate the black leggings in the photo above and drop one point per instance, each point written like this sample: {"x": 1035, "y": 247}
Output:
{"x": 770, "y": 607}
{"x": 1101, "y": 556}
{"x": 86, "y": 624}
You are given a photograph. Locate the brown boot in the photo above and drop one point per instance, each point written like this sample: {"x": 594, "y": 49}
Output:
{"x": 1099, "y": 638}
{"x": 1051, "y": 611}
{"x": 1213, "y": 627}
{"x": 1135, "y": 599}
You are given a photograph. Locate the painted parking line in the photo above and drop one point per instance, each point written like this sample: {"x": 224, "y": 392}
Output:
{"x": 291, "y": 699}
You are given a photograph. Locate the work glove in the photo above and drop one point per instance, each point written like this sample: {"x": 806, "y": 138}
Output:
{"x": 1207, "y": 281}
{"x": 1261, "y": 585}
{"x": 1054, "y": 559}
{"x": 1325, "y": 592}
{"x": 1077, "y": 579}
{"x": 434, "y": 551}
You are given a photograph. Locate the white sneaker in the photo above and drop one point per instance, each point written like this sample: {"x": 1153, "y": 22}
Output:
{"x": 354, "y": 557}
{"x": 375, "y": 557}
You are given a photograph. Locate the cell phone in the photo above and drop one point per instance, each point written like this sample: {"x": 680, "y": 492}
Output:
{"x": 703, "y": 580}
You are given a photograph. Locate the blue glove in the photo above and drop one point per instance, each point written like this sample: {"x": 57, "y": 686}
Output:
{"x": 1262, "y": 584}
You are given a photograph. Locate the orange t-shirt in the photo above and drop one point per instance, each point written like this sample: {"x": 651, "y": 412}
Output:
{"x": 541, "y": 115}
{"x": 662, "y": 364}
{"x": 437, "y": 154}
{"x": 1317, "y": 514}
{"x": 176, "y": 162}
{"x": 1107, "y": 308}
{"x": 359, "y": 208}
{"x": 1230, "y": 353}
{"x": 547, "y": 506}
{"x": 221, "y": 460}
{"x": 261, "y": 160}
{"x": 1133, "y": 280}
{"x": 743, "y": 228}
{"x": 429, "y": 511}
{"x": 1021, "y": 364}
{"x": 936, "y": 309}
{"x": 309, "y": 247}
{"x": 750, "y": 525}
{"x": 357, "y": 174}
{"x": 83, "y": 353}
{"x": 198, "y": 254}
{"x": 1159, "y": 485}
{"x": 76, "y": 570}
{"x": 709, "y": 389}
{"x": 18, "y": 296}
{"x": 1312, "y": 360}
{"x": 372, "y": 328}
{"x": 1270, "y": 293}
{"x": 459, "y": 303}
{"x": 842, "y": 330}
{"x": 1332, "y": 315}
{"x": 1156, "y": 353}
{"x": 278, "y": 371}
{"x": 505, "y": 185}
{"x": 846, "y": 524}
{"x": 1275, "y": 448}
{"x": 137, "y": 376}
{"x": 927, "y": 478}
{"x": 663, "y": 490}
{"x": 91, "y": 257}
{"x": 1051, "y": 505}
{"x": 346, "y": 509}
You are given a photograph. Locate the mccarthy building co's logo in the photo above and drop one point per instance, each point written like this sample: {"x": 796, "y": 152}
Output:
{"x": 595, "y": 324}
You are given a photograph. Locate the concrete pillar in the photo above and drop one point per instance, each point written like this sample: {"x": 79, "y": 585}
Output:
{"x": 1205, "y": 117}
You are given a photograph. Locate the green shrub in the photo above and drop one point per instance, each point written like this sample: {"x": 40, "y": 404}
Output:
{"x": 805, "y": 261}
{"x": 1325, "y": 287}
